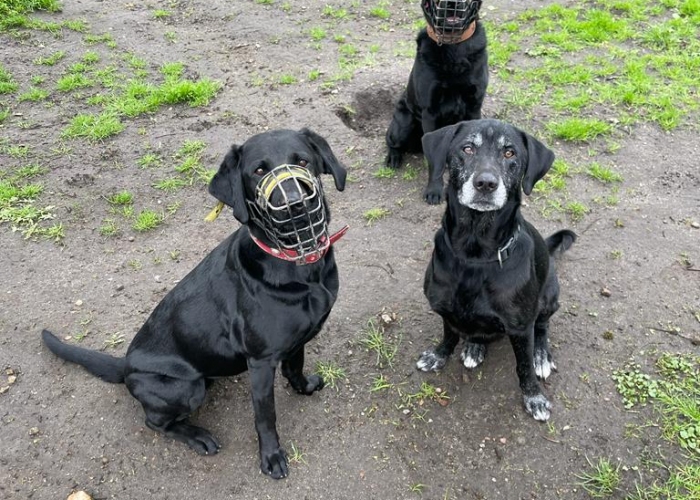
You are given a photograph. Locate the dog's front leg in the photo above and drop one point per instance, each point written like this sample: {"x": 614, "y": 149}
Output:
{"x": 535, "y": 401}
{"x": 292, "y": 369}
{"x": 273, "y": 459}
{"x": 432, "y": 193}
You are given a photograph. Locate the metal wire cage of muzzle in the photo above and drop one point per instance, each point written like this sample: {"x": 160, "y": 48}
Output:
{"x": 290, "y": 207}
{"x": 450, "y": 18}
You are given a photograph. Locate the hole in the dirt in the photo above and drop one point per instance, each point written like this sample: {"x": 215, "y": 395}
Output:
{"x": 370, "y": 111}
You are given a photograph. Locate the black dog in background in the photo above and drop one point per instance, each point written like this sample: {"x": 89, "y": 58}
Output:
{"x": 251, "y": 304}
{"x": 447, "y": 83}
{"x": 491, "y": 273}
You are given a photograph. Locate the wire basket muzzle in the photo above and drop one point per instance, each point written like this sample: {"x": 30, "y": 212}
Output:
{"x": 290, "y": 207}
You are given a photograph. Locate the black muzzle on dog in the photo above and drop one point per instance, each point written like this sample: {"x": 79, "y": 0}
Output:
{"x": 290, "y": 208}
{"x": 450, "y": 19}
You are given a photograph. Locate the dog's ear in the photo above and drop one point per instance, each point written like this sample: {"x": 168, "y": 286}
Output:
{"x": 539, "y": 160}
{"x": 331, "y": 165}
{"x": 436, "y": 145}
{"x": 227, "y": 184}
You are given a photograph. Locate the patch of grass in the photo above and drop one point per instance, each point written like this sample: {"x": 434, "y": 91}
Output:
{"x": 7, "y": 83}
{"x": 74, "y": 81}
{"x": 114, "y": 340}
{"x": 380, "y": 383}
{"x": 604, "y": 174}
{"x": 374, "y": 214}
{"x": 94, "y": 127}
{"x": 334, "y": 12}
{"x": 170, "y": 184}
{"x": 602, "y": 480}
{"x": 50, "y": 60}
{"x": 330, "y": 372}
{"x": 149, "y": 160}
{"x": 576, "y": 210}
{"x": 295, "y": 456}
{"x": 674, "y": 391}
{"x": 426, "y": 392}
{"x": 16, "y": 150}
{"x": 374, "y": 339}
{"x": 385, "y": 173}
{"x": 317, "y": 33}
{"x": 287, "y": 79}
{"x": 34, "y": 95}
{"x": 380, "y": 11}
{"x": 147, "y": 220}
{"x": 578, "y": 129}
{"x": 4, "y": 113}
{"x": 314, "y": 75}
{"x": 109, "y": 227}
{"x": 121, "y": 198}
{"x": 18, "y": 209}
{"x": 161, "y": 14}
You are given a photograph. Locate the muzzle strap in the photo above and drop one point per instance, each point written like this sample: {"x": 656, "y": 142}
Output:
{"x": 306, "y": 257}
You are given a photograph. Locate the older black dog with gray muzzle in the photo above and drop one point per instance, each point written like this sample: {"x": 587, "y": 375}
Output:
{"x": 251, "y": 304}
{"x": 491, "y": 273}
{"x": 447, "y": 83}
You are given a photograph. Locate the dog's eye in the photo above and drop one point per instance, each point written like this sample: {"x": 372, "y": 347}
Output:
{"x": 259, "y": 171}
{"x": 303, "y": 163}
{"x": 468, "y": 149}
{"x": 509, "y": 153}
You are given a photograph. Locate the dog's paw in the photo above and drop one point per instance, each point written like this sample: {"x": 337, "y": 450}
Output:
{"x": 544, "y": 364}
{"x": 433, "y": 195}
{"x": 313, "y": 383}
{"x": 538, "y": 406}
{"x": 473, "y": 355}
{"x": 430, "y": 361}
{"x": 393, "y": 159}
{"x": 274, "y": 464}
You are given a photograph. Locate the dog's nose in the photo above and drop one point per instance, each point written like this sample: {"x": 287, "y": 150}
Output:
{"x": 485, "y": 182}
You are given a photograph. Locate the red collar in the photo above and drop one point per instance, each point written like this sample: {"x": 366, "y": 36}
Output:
{"x": 293, "y": 255}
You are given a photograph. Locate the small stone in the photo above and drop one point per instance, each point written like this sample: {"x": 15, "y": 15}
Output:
{"x": 695, "y": 225}
{"x": 406, "y": 411}
{"x": 105, "y": 460}
{"x": 120, "y": 288}
{"x": 503, "y": 440}
{"x": 79, "y": 495}
{"x": 9, "y": 371}
{"x": 605, "y": 292}
{"x": 131, "y": 238}
{"x": 34, "y": 431}
{"x": 4, "y": 389}
{"x": 11, "y": 379}
{"x": 157, "y": 278}
{"x": 78, "y": 302}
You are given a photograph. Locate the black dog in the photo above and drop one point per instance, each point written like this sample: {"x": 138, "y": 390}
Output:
{"x": 491, "y": 273}
{"x": 243, "y": 307}
{"x": 447, "y": 83}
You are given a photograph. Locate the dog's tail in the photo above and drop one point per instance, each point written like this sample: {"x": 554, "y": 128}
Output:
{"x": 560, "y": 242}
{"x": 108, "y": 368}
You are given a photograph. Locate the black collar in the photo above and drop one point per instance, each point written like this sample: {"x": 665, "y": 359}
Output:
{"x": 506, "y": 250}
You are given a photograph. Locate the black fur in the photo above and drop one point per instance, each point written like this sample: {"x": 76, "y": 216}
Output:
{"x": 480, "y": 298}
{"x": 239, "y": 309}
{"x": 447, "y": 84}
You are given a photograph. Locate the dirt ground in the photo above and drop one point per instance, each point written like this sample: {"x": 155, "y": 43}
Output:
{"x": 63, "y": 430}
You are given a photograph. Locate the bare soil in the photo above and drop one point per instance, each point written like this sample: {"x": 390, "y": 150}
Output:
{"x": 63, "y": 430}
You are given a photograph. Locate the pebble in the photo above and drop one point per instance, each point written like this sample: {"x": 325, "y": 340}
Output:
{"x": 694, "y": 224}
{"x": 605, "y": 292}
{"x": 78, "y": 302}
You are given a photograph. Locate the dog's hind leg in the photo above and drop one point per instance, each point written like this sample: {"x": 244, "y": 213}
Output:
{"x": 402, "y": 132}
{"x": 292, "y": 369}
{"x": 167, "y": 402}
{"x": 435, "y": 359}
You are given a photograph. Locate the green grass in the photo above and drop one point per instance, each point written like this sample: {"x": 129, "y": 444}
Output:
{"x": 147, "y": 220}
{"x": 673, "y": 390}
{"x": 18, "y": 207}
{"x": 330, "y": 372}
{"x": 317, "y": 33}
{"x": 7, "y": 83}
{"x": 604, "y": 174}
{"x": 34, "y": 95}
{"x": 109, "y": 227}
{"x": 578, "y": 129}
{"x": 121, "y": 198}
{"x": 50, "y": 60}
{"x": 94, "y": 127}
{"x": 602, "y": 480}
{"x": 374, "y": 214}
{"x": 375, "y": 339}
{"x": 384, "y": 173}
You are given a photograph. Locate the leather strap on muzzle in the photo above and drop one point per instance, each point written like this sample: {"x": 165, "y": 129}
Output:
{"x": 466, "y": 35}
{"x": 294, "y": 256}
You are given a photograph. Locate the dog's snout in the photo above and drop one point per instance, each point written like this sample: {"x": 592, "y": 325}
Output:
{"x": 485, "y": 182}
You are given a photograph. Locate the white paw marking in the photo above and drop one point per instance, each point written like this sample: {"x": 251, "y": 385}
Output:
{"x": 543, "y": 365}
{"x": 538, "y": 406}
{"x": 429, "y": 361}
{"x": 473, "y": 355}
